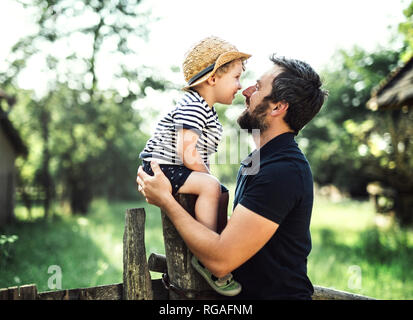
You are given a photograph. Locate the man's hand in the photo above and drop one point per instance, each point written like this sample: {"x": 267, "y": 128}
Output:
{"x": 156, "y": 189}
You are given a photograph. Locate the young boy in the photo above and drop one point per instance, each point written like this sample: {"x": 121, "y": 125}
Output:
{"x": 186, "y": 137}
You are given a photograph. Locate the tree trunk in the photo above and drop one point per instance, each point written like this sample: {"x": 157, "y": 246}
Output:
{"x": 403, "y": 206}
{"x": 46, "y": 179}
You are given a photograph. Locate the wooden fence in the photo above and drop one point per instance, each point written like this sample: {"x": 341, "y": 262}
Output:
{"x": 179, "y": 280}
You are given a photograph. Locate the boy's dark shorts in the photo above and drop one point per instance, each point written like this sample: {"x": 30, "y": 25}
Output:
{"x": 176, "y": 174}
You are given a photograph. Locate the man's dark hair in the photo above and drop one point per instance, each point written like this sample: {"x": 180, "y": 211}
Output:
{"x": 300, "y": 86}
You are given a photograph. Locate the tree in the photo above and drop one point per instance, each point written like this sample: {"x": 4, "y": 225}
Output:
{"x": 85, "y": 128}
{"x": 406, "y": 29}
{"x": 350, "y": 145}
{"x": 330, "y": 141}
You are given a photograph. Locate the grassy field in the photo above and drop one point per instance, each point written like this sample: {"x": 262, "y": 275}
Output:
{"x": 352, "y": 249}
{"x": 357, "y": 251}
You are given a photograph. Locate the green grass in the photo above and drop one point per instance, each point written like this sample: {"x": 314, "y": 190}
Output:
{"x": 88, "y": 249}
{"x": 356, "y": 252}
{"x": 351, "y": 251}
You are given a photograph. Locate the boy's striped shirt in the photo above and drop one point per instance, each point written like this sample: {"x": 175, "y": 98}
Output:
{"x": 191, "y": 112}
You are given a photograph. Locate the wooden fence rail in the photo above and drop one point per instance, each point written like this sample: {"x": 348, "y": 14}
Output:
{"x": 179, "y": 280}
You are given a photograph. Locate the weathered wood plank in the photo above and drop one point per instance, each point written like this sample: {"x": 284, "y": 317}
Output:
{"x": 4, "y": 294}
{"x": 157, "y": 263}
{"x": 178, "y": 257}
{"x": 28, "y": 292}
{"x": 322, "y": 293}
{"x": 13, "y": 293}
{"x": 108, "y": 292}
{"x": 58, "y": 295}
{"x": 115, "y": 292}
{"x": 136, "y": 278}
{"x": 104, "y": 292}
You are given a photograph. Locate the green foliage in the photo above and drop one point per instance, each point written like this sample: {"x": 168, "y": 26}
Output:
{"x": 7, "y": 248}
{"x": 92, "y": 148}
{"x": 406, "y": 28}
{"x": 83, "y": 135}
{"x": 349, "y": 145}
{"x": 332, "y": 140}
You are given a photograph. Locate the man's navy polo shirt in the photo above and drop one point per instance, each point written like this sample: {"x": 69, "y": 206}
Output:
{"x": 276, "y": 183}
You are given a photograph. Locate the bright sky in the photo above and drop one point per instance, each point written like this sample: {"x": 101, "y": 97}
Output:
{"x": 308, "y": 30}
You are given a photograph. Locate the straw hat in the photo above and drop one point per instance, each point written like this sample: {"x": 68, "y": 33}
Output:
{"x": 205, "y": 57}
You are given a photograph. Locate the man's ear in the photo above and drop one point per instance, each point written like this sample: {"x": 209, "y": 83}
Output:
{"x": 279, "y": 108}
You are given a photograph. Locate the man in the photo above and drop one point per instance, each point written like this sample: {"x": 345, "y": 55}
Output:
{"x": 267, "y": 239}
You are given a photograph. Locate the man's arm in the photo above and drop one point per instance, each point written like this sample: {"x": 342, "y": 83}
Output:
{"x": 245, "y": 234}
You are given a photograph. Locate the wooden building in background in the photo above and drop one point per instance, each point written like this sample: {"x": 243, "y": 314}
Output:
{"x": 393, "y": 99}
{"x": 11, "y": 146}
{"x": 396, "y": 91}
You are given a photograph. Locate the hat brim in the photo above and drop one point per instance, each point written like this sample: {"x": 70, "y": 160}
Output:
{"x": 222, "y": 59}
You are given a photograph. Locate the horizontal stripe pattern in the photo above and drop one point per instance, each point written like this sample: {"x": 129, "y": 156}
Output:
{"x": 191, "y": 112}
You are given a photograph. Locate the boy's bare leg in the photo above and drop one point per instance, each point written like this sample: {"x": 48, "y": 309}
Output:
{"x": 210, "y": 210}
{"x": 222, "y": 212}
{"x": 208, "y": 189}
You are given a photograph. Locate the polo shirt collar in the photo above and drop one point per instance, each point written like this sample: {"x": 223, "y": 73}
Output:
{"x": 274, "y": 145}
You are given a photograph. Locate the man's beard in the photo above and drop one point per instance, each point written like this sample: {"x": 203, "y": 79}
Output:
{"x": 255, "y": 119}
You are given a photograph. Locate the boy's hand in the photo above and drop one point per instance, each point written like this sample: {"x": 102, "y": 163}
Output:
{"x": 156, "y": 189}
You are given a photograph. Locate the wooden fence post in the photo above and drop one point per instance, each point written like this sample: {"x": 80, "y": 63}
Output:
{"x": 185, "y": 281}
{"x": 136, "y": 278}
{"x": 28, "y": 292}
